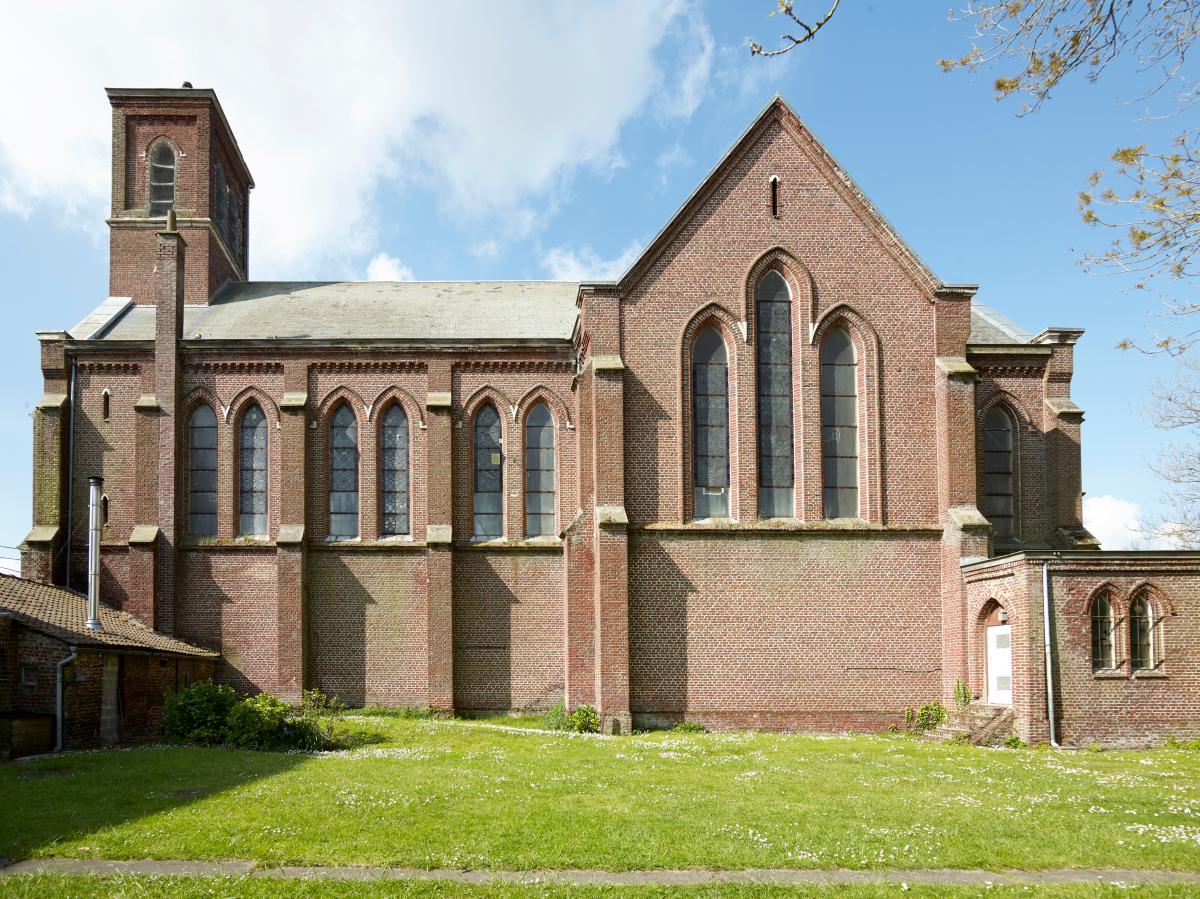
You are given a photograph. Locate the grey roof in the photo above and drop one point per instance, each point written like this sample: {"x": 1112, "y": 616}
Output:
{"x": 62, "y": 613}
{"x": 437, "y": 311}
{"x": 991, "y": 327}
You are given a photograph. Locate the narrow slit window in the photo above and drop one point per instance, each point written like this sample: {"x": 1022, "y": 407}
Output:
{"x": 202, "y": 473}
{"x": 1103, "y": 650}
{"x": 395, "y": 448}
{"x": 162, "y": 179}
{"x": 343, "y": 474}
{"x": 105, "y": 405}
{"x": 710, "y": 425}
{"x": 998, "y": 471}
{"x": 253, "y": 487}
{"x": 839, "y": 425}
{"x": 1141, "y": 634}
{"x": 489, "y": 475}
{"x": 104, "y": 511}
{"x": 775, "y": 196}
{"x": 773, "y": 334}
{"x": 539, "y": 472}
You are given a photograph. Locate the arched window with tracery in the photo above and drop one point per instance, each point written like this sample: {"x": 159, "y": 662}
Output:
{"x": 1141, "y": 633}
{"x": 489, "y": 475}
{"x": 539, "y": 472}
{"x": 998, "y": 433}
{"x": 202, "y": 472}
{"x": 710, "y": 425}
{"x": 773, "y": 335}
{"x": 162, "y": 179}
{"x": 343, "y": 474}
{"x": 394, "y": 462}
{"x": 839, "y": 425}
{"x": 1103, "y": 630}
{"x": 253, "y": 482}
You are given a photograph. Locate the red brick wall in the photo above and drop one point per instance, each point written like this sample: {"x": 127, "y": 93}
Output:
{"x": 366, "y": 625}
{"x": 227, "y": 601}
{"x": 791, "y": 629}
{"x": 508, "y": 628}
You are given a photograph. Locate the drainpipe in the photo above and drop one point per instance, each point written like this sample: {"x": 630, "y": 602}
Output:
{"x": 70, "y": 475}
{"x": 93, "y": 576}
{"x": 1049, "y": 659}
{"x": 58, "y": 699}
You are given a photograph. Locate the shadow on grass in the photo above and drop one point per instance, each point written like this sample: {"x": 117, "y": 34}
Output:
{"x": 62, "y": 799}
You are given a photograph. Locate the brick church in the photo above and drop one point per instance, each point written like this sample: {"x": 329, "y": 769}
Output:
{"x": 777, "y": 475}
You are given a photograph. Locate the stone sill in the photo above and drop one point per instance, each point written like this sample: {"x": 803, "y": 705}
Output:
{"x": 1109, "y": 674}
{"x": 1153, "y": 674}
{"x": 785, "y": 525}
{"x": 503, "y": 544}
{"x": 381, "y": 544}
{"x": 226, "y": 543}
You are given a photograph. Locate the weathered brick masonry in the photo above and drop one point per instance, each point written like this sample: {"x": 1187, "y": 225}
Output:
{"x": 629, "y": 602}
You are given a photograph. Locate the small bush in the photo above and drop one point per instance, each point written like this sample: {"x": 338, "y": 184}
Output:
{"x": 962, "y": 696}
{"x": 689, "y": 727}
{"x": 556, "y": 717}
{"x": 930, "y": 715}
{"x": 1012, "y": 741}
{"x": 259, "y": 722}
{"x": 910, "y": 717}
{"x": 1192, "y": 745}
{"x": 584, "y": 720}
{"x": 199, "y": 713}
{"x": 314, "y": 702}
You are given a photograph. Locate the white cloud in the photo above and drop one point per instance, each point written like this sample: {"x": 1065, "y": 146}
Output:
{"x": 383, "y": 267}
{"x": 487, "y": 250}
{"x": 1119, "y": 524}
{"x": 565, "y": 264}
{"x": 495, "y": 110}
{"x": 668, "y": 160}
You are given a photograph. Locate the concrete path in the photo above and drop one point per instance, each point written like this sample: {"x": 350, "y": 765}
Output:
{"x": 949, "y": 876}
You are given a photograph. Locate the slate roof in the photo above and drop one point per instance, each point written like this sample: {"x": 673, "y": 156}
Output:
{"x": 418, "y": 311}
{"x": 62, "y": 613}
{"x": 991, "y": 327}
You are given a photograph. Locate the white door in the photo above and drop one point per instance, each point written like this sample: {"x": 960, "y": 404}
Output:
{"x": 999, "y": 665}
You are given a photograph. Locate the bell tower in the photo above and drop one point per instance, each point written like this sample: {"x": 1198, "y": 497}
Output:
{"x": 173, "y": 149}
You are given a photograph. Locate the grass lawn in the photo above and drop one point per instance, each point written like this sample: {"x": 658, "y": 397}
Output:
{"x": 257, "y": 888}
{"x": 434, "y": 794}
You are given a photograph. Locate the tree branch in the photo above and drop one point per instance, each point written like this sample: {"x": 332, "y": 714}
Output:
{"x": 810, "y": 31}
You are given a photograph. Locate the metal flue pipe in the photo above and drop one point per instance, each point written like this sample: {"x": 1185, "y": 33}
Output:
{"x": 93, "y": 584}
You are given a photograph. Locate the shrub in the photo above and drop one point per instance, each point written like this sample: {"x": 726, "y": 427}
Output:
{"x": 962, "y": 696}
{"x": 910, "y": 717}
{"x": 584, "y": 720}
{"x": 689, "y": 727}
{"x": 259, "y": 722}
{"x": 930, "y": 715}
{"x": 1012, "y": 741}
{"x": 556, "y": 717}
{"x": 199, "y": 713}
{"x": 1173, "y": 743}
{"x": 315, "y": 702}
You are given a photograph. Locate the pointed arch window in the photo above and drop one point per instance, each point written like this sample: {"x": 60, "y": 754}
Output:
{"x": 162, "y": 179}
{"x": 202, "y": 472}
{"x": 539, "y": 472}
{"x": 253, "y": 493}
{"x": 773, "y": 334}
{"x": 1141, "y": 634}
{"x": 839, "y": 425}
{"x": 394, "y": 472}
{"x": 998, "y": 471}
{"x": 710, "y": 425}
{"x": 1103, "y": 629}
{"x": 343, "y": 474}
{"x": 489, "y": 475}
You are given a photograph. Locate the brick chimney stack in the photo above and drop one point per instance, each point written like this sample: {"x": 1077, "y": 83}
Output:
{"x": 173, "y": 149}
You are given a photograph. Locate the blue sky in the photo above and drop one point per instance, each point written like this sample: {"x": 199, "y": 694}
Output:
{"x": 549, "y": 140}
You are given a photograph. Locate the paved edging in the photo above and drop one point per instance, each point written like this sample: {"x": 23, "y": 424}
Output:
{"x": 691, "y": 877}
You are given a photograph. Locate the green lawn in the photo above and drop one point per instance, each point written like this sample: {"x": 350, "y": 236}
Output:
{"x": 260, "y": 888}
{"x": 437, "y": 794}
